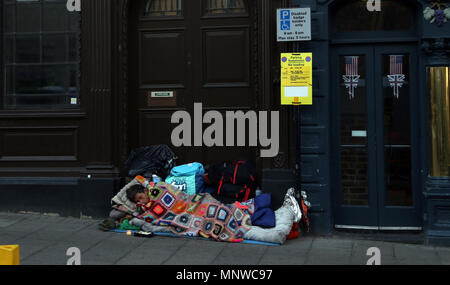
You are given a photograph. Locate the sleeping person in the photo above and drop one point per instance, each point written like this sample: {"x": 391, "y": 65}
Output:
{"x": 162, "y": 207}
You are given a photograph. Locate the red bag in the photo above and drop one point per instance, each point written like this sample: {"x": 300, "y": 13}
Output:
{"x": 294, "y": 232}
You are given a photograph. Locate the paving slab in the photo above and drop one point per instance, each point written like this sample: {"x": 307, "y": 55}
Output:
{"x": 49, "y": 234}
{"x": 240, "y": 254}
{"x": 30, "y": 246}
{"x": 444, "y": 255}
{"x": 31, "y": 225}
{"x": 7, "y": 238}
{"x": 416, "y": 255}
{"x": 88, "y": 238}
{"x": 11, "y": 236}
{"x": 56, "y": 230}
{"x": 111, "y": 250}
{"x": 328, "y": 257}
{"x": 153, "y": 251}
{"x": 332, "y": 244}
{"x": 293, "y": 252}
{"x": 8, "y": 220}
{"x": 196, "y": 252}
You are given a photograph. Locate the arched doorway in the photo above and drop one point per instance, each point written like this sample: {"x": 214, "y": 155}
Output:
{"x": 375, "y": 122}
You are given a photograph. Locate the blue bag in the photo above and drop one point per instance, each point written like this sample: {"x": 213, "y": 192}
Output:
{"x": 188, "y": 178}
{"x": 263, "y": 216}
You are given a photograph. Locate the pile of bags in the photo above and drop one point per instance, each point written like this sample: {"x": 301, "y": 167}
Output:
{"x": 227, "y": 182}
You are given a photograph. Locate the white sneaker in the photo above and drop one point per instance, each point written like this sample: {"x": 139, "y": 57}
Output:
{"x": 291, "y": 202}
{"x": 303, "y": 193}
{"x": 291, "y": 192}
{"x": 296, "y": 208}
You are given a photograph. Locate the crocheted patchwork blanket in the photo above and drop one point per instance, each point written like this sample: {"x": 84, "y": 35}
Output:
{"x": 195, "y": 215}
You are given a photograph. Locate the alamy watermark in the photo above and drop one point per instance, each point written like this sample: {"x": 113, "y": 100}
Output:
{"x": 374, "y": 5}
{"x": 75, "y": 256}
{"x": 214, "y": 135}
{"x": 375, "y": 256}
{"x": 73, "y": 5}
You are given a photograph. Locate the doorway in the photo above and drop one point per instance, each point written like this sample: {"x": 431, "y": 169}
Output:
{"x": 186, "y": 52}
{"x": 375, "y": 130}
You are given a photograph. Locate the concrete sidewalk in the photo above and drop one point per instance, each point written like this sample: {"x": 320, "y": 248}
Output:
{"x": 45, "y": 240}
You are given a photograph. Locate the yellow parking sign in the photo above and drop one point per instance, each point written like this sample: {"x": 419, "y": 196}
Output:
{"x": 296, "y": 79}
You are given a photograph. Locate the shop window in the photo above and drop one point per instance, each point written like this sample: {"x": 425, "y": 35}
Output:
{"x": 41, "y": 58}
{"x": 353, "y": 16}
{"x": 161, "y": 8}
{"x": 438, "y": 79}
{"x": 225, "y": 7}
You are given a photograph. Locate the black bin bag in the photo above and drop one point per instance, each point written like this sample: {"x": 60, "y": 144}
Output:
{"x": 149, "y": 160}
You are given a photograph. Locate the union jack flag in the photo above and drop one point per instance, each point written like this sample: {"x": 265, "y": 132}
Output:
{"x": 396, "y": 77}
{"x": 351, "y": 77}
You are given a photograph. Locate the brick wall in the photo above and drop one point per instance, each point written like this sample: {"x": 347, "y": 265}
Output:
{"x": 354, "y": 161}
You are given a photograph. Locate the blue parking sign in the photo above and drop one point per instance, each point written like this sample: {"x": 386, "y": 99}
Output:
{"x": 285, "y": 15}
{"x": 285, "y": 20}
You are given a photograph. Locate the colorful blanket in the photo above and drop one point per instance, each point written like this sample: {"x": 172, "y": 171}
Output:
{"x": 195, "y": 215}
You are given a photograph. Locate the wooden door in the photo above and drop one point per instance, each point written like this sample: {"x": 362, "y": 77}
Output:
{"x": 199, "y": 52}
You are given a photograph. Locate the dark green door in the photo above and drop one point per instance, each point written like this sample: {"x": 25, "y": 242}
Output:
{"x": 376, "y": 138}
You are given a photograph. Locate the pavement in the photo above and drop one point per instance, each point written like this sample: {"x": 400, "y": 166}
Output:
{"x": 44, "y": 240}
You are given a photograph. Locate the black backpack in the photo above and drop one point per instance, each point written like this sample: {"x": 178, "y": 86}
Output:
{"x": 237, "y": 182}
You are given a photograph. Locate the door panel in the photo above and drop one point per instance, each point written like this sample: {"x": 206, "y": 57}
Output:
{"x": 398, "y": 197}
{"x": 154, "y": 71}
{"x": 232, "y": 67}
{"x": 353, "y": 125}
{"x": 223, "y": 53}
{"x": 397, "y": 137}
{"x": 226, "y": 68}
{"x": 356, "y": 195}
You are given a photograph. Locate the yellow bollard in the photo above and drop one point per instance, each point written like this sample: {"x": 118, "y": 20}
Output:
{"x": 9, "y": 255}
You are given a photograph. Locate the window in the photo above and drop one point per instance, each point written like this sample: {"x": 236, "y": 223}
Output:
{"x": 353, "y": 16}
{"x": 221, "y": 7}
{"x": 438, "y": 78}
{"x": 160, "y": 8}
{"x": 41, "y": 54}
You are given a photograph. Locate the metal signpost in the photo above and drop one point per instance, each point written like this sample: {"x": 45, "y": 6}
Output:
{"x": 294, "y": 24}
